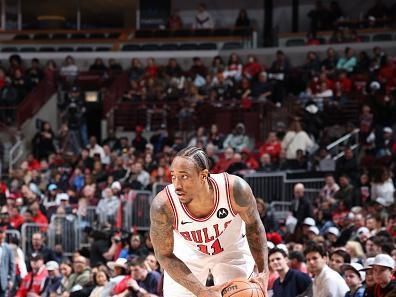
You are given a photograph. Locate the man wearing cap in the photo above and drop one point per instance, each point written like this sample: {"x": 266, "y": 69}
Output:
{"x": 33, "y": 282}
{"x": 305, "y": 228}
{"x": 332, "y": 234}
{"x": 383, "y": 267}
{"x": 53, "y": 280}
{"x": 290, "y": 282}
{"x": 313, "y": 231}
{"x": 7, "y": 275}
{"x": 354, "y": 276}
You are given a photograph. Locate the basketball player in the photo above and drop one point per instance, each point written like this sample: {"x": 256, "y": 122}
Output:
{"x": 203, "y": 223}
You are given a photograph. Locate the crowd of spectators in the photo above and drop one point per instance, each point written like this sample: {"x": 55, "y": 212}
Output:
{"x": 352, "y": 218}
{"x": 16, "y": 81}
{"x": 332, "y": 17}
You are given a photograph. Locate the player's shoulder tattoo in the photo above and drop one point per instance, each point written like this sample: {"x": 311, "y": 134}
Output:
{"x": 241, "y": 192}
{"x": 160, "y": 212}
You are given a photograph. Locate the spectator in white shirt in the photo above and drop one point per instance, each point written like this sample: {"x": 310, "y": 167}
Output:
{"x": 94, "y": 148}
{"x": 107, "y": 207}
{"x": 329, "y": 189}
{"x": 142, "y": 175}
{"x": 203, "y": 19}
{"x": 69, "y": 69}
{"x": 382, "y": 187}
{"x": 327, "y": 282}
{"x": 296, "y": 139}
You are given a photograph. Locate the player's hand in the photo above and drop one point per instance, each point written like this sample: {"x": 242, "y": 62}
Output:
{"x": 261, "y": 279}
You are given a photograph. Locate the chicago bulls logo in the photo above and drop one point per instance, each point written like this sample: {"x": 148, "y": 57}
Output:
{"x": 222, "y": 213}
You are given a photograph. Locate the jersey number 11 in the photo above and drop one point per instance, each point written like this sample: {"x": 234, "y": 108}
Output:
{"x": 215, "y": 248}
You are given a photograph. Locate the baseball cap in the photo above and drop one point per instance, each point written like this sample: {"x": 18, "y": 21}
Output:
{"x": 116, "y": 185}
{"x": 355, "y": 267}
{"x": 369, "y": 264}
{"x": 52, "y": 187}
{"x": 62, "y": 196}
{"x": 388, "y": 130}
{"x": 36, "y": 256}
{"x": 384, "y": 260}
{"x": 270, "y": 245}
{"x": 120, "y": 262}
{"x": 334, "y": 231}
{"x": 363, "y": 230}
{"x": 314, "y": 229}
{"x": 283, "y": 247}
{"x": 309, "y": 221}
{"x": 51, "y": 265}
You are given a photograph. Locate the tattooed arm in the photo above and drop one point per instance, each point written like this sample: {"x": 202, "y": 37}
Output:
{"x": 161, "y": 234}
{"x": 244, "y": 203}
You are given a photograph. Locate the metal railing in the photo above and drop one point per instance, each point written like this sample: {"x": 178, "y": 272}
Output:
{"x": 64, "y": 230}
{"x": 278, "y": 187}
{"x": 158, "y": 187}
{"x": 15, "y": 154}
{"x": 336, "y": 148}
{"x": 136, "y": 211}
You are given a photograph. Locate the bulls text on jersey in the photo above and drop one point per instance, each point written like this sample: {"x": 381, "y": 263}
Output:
{"x": 207, "y": 235}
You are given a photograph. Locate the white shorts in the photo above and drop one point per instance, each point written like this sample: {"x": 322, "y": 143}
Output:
{"x": 224, "y": 267}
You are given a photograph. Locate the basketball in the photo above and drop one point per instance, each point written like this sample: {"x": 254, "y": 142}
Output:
{"x": 242, "y": 288}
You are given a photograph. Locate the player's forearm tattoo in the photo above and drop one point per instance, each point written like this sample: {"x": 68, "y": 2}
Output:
{"x": 255, "y": 231}
{"x": 161, "y": 233}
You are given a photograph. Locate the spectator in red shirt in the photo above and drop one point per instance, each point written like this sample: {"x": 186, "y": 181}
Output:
{"x": 250, "y": 161}
{"x": 345, "y": 82}
{"x": 312, "y": 39}
{"x": 387, "y": 75}
{"x": 32, "y": 283}
{"x": 252, "y": 68}
{"x": 151, "y": 68}
{"x": 174, "y": 21}
{"x": 272, "y": 146}
{"x": 16, "y": 220}
{"x": 38, "y": 216}
{"x": 33, "y": 164}
{"x": 225, "y": 161}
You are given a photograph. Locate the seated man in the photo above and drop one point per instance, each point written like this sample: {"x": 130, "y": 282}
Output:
{"x": 143, "y": 281}
{"x": 290, "y": 282}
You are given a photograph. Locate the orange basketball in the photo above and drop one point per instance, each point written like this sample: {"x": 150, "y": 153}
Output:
{"x": 241, "y": 287}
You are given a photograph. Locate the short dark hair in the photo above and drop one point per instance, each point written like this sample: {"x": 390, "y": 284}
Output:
{"x": 277, "y": 250}
{"x": 197, "y": 155}
{"x": 137, "y": 261}
{"x": 343, "y": 254}
{"x": 313, "y": 247}
{"x": 297, "y": 255}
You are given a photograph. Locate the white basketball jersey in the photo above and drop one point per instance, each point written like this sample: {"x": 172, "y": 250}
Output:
{"x": 221, "y": 232}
